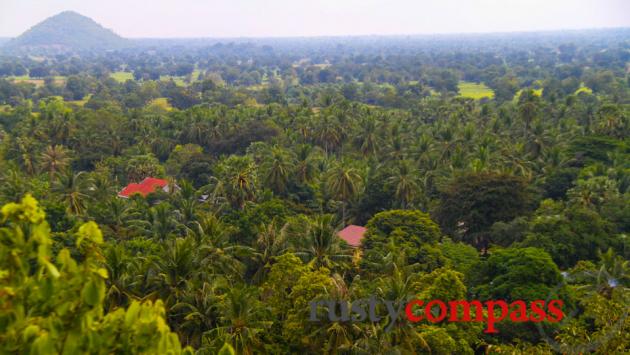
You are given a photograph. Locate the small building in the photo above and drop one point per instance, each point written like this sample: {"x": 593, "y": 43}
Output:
{"x": 145, "y": 187}
{"x": 352, "y": 235}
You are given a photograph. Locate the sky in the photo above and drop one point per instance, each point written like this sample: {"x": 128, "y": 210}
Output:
{"x": 287, "y": 18}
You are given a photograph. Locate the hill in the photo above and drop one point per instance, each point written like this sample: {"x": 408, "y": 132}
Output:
{"x": 66, "y": 31}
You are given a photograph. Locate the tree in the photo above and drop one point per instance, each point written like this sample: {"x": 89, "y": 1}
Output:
{"x": 241, "y": 320}
{"x": 73, "y": 190}
{"x": 409, "y": 231}
{"x": 473, "y": 202}
{"x": 53, "y": 159}
{"x": 240, "y": 178}
{"x": 405, "y": 183}
{"x": 277, "y": 168}
{"x": 343, "y": 183}
{"x": 528, "y": 106}
{"x": 517, "y": 274}
{"x": 62, "y": 301}
{"x": 569, "y": 234}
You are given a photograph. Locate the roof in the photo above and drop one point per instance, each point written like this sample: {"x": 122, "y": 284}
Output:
{"x": 144, "y": 188}
{"x": 352, "y": 234}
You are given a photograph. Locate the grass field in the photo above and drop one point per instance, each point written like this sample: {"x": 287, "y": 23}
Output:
{"x": 474, "y": 90}
{"x": 161, "y": 102}
{"x": 179, "y": 80}
{"x": 58, "y": 80}
{"x": 121, "y": 76}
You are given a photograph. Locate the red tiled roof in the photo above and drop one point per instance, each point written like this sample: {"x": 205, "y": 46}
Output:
{"x": 144, "y": 188}
{"x": 352, "y": 234}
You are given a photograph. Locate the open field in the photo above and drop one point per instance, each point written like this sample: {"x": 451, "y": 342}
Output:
{"x": 179, "y": 80}
{"x": 474, "y": 90}
{"x": 121, "y": 76}
{"x": 161, "y": 102}
{"x": 58, "y": 80}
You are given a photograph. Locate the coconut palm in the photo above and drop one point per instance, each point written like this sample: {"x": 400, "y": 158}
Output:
{"x": 216, "y": 253}
{"x": 277, "y": 169}
{"x": 241, "y": 320}
{"x": 271, "y": 242}
{"x": 239, "y": 178}
{"x": 344, "y": 183}
{"x": 73, "y": 190}
{"x": 54, "y": 159}
{"x": 405, "y": 181}
{"x": 320, "y": 246}
{"x": 305, "y": 163}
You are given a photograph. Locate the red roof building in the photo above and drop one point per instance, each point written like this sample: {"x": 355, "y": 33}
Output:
{"x": 352, "y": 235}
{"x": 144, "y": 188}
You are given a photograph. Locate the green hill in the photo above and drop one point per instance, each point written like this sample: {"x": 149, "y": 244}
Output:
{"x": 67, "y": 31}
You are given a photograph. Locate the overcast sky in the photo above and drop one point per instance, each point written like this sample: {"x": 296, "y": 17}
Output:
{"x": 265, "y": 18}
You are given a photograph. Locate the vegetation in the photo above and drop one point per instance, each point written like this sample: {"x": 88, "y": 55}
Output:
{"x": 67, "y": 30}
{"x": 474, "y": 91}
{"x": 516, "y": 189}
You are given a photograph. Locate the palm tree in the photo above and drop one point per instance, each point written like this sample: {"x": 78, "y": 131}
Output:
{"x": 216, "y": 253}
{"x": 240, "y": 180}
{"x": 305, "y": 163}
{"x": 186, "y": 203}
{"x": 343, "y": 184}
{"x": 121, "y": 268}
{"x": 329, "y": 133}
{"x": 26, "y": 150}
{"x": 405, "y": 183}
{"x": 528, "y": 108}
{"x": 271, "y": 242}
{"x": 613, "y": 273}
{"x": 116, "y": 214}
{"x": 73, "y": 191}
{"x": 368, "y": 138}
{"x": 241, "y": 319}
{"x": 157, "y": 222}
{"x": 320, "y": 244}
{"x": 277, "y": 167}
{"x": 198, "y": 311}
{"x": 177, "y": 263}
{"x": 53, "y": 159}
{"x": 13, "y": 185}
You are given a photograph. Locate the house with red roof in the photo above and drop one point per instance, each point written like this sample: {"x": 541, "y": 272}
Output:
{"x": 352, "y": 235}
{"x": 145, "y": 187}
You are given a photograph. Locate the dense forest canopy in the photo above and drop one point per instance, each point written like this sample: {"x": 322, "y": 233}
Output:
{"x": 490, "y": 167}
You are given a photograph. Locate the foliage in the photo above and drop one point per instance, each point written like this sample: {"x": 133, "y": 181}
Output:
{"x": 56, "y": 306}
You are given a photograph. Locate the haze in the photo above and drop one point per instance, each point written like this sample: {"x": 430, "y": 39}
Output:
{"x": 271, "y": 18}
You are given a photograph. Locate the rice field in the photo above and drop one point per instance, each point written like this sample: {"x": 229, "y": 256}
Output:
{"x": 475, "y": 91}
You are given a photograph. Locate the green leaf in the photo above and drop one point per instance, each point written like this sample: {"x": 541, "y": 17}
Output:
{"x": 92, "y": 293}
{"x": 52, "y": 269}
{"x": 227, "y": 349}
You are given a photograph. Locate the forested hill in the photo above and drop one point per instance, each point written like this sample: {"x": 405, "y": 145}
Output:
{"x": 67, "y": 31}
